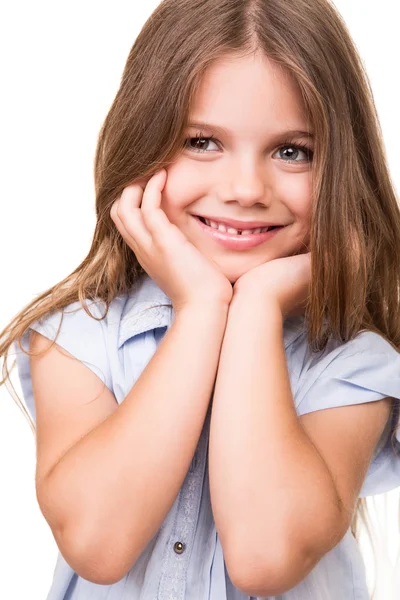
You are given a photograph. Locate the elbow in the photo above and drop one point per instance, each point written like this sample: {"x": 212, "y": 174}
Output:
{"x": 262, "y": 575}
{"x": 270, "y": 564}
{"x": 93, "y": 554}
{"x": 258, "y": 581}
{"x": 98, "y": 561}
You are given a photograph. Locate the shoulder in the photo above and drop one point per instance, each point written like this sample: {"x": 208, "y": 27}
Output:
{"x": 367, "y": 341}
{"x": 366, "y": 345}
{"x": 362, "y": 369}
{"x": 93, "y": 315}
{"x": 367, "y": 353}
{"x": 76, "y": 318}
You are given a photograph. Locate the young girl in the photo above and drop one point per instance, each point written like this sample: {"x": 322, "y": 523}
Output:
{"x": 235, "y": 323}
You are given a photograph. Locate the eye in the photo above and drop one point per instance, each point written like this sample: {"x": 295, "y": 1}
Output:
{"x": 199, "y": 140}
{"x": 296, "y": 148}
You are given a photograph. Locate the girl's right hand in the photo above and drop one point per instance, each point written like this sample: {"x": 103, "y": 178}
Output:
{"x": 165, "y": 253}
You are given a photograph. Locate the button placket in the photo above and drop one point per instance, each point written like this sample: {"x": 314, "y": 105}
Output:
{"x": 176, "y": 558}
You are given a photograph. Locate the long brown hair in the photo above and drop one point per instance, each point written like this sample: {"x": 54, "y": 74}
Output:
{"x": 355, "y": 222}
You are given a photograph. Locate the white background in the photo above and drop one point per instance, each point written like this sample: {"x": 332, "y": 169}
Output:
{"x": 61, "y": 65}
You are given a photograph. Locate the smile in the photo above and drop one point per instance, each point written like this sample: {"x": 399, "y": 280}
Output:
{"x": 235, "y": 239}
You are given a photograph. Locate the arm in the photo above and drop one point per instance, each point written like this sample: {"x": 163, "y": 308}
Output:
{"x": 284, "y": 487}
{"x": 109, "y": 494}
{"x": 272, "y": 494}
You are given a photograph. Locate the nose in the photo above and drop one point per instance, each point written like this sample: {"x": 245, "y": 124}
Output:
{"x": 245, "y": 184}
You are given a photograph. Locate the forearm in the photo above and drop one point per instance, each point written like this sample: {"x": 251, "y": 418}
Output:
{"x": 270, "y": 488}
{"x": 114, "y": 488}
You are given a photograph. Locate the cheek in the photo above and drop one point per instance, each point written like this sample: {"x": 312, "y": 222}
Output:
{"x": 180, "y": 191}
{"x": 172, "y": 194}
{"x": 297, "y": 195}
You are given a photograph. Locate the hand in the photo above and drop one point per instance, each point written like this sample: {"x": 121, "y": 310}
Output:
{"x": 164, "y": 252}
{"x": 283, "y": 280}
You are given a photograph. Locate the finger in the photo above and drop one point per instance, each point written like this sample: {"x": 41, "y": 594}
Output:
{"x": 129, "y": 213}
{"x": 121, "y": 227}
{"x": 154, "y": 217}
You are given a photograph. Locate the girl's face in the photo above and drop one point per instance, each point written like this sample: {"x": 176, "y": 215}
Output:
{"x": 251, "y": 170}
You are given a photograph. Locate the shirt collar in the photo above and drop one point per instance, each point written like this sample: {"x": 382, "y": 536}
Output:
{"x": 147, "y": 307}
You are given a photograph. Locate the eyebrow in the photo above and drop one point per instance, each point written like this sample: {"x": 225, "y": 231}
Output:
{"x": 278, "y": 134}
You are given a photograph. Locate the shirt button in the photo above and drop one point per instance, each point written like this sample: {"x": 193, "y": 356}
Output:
{"x": 179, "y": 547}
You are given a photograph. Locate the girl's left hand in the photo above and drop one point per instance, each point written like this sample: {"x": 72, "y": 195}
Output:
{"x": 285, "y": 281}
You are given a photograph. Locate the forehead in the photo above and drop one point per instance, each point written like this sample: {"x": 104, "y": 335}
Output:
{"x": 242, "y": 92}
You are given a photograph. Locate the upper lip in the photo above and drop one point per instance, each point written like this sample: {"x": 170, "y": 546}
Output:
{"x": 239, "y": 224}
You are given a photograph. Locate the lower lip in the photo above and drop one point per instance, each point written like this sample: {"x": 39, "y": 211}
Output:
{"x": 233, "y": 241}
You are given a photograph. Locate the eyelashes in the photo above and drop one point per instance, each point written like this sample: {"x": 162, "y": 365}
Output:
{"x": 286, "y": 144}
{"x": 298, "y": 146}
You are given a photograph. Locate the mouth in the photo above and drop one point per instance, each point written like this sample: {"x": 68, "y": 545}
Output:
{"x": 229, "y": 229}
{"x": 237, "y": 239}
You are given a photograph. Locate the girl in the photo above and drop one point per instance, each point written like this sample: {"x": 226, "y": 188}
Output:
{"x": 235, "y": 323}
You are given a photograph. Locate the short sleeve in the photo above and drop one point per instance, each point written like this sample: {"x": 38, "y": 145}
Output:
{"x": 81, "y": 335}
{"x": 365, "y": 369}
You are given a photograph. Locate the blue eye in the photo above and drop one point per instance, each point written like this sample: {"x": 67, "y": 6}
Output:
{"x": 298, "y": 148}
{"x": 294, "y": 147}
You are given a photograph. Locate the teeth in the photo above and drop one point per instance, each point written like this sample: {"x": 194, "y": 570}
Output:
{"x": 225, "y": 229}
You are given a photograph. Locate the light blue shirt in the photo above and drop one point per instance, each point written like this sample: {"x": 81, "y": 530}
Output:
{"x": 119, "y": 347}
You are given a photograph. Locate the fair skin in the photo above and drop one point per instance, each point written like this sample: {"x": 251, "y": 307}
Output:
{"x": 292, "y": 491}
{"x": 247, "y": 175}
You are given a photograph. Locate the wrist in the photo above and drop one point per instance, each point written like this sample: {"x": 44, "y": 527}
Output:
{"x": 257, "y": 305}
{"x": 203, "y": 311}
